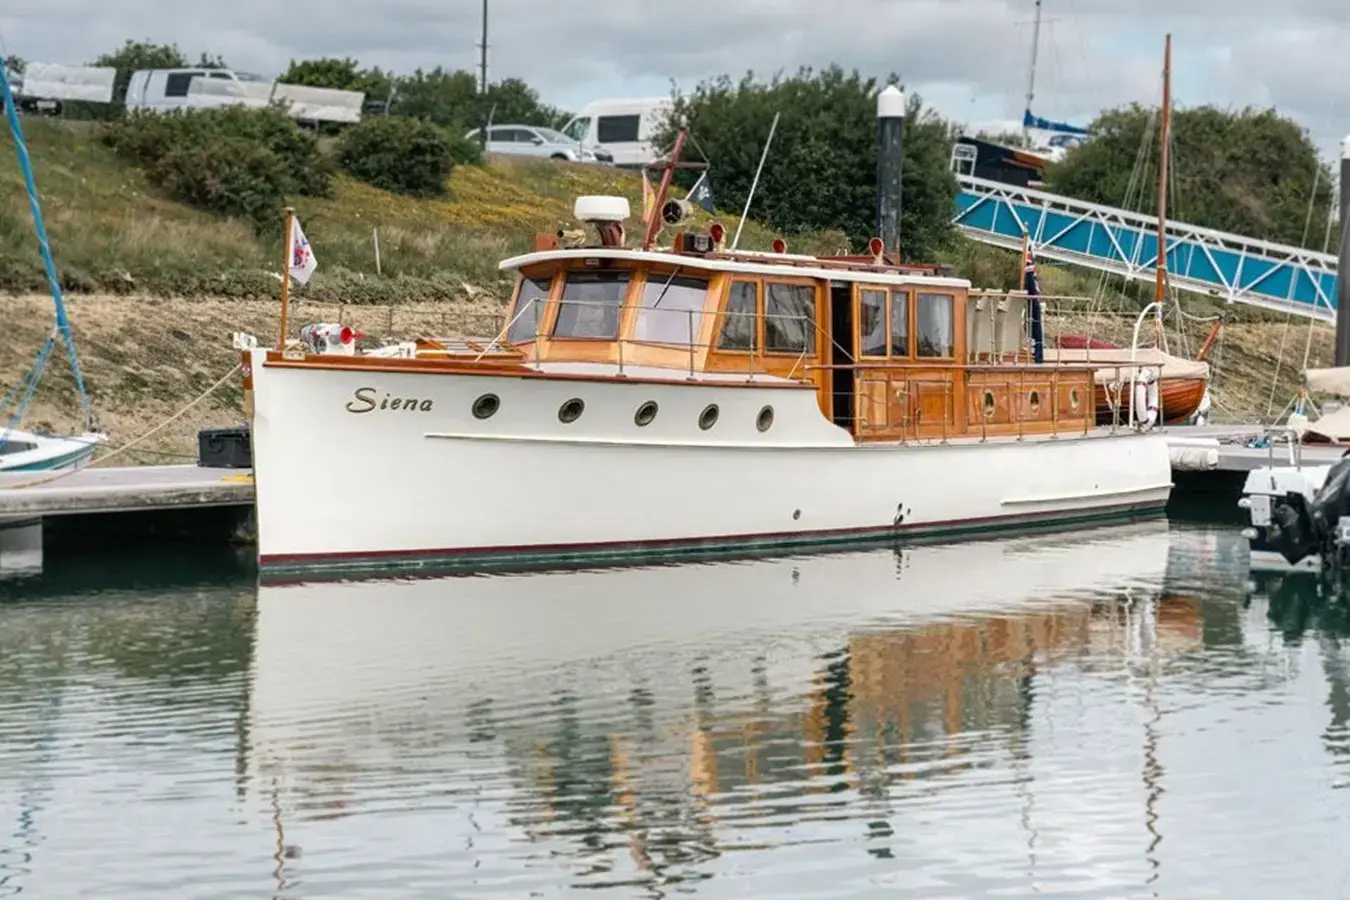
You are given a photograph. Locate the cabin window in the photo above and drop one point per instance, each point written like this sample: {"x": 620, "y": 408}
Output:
{"x": 529, "y": 309}
{"x": 936, "y": 327}
{"x": 590, "y": 302}
{"x": 738, "y": 324}
{"x": 789, "y": 317}
{"x": 8, "y": 447}
{"x": 671, "y": 310}
{"x": 176, "y": 85}
{"x": 872, "y": 323}
{"x": 900, "y": 323}
{"x": 617, "y": 129}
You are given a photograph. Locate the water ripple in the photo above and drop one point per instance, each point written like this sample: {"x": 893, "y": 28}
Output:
{"x": 1110, "y": 714}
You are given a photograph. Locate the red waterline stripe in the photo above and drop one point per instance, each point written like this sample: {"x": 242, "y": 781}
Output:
{"x": 709, "y": 541}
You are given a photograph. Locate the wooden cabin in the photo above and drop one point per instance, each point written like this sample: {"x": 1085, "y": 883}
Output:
{"x": 894, "y": 353}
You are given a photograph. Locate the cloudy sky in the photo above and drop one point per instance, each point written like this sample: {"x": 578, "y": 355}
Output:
{"x": 967, "y": 57}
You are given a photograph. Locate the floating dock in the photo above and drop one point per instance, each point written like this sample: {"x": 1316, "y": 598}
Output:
{"x": 122, "y": 490}
{"x": 127, "y": 508}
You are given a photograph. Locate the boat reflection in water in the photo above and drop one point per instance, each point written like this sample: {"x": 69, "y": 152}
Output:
{"x": 661, "y": 709}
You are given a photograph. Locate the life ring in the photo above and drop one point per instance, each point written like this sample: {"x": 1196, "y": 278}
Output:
{"x": 1146, "y": 399}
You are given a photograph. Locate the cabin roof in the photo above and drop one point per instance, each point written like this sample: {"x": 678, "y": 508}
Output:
{"x": 793, "y": 266}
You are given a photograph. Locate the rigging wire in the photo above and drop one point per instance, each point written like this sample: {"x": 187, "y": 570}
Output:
{"x": 62, "y": 325}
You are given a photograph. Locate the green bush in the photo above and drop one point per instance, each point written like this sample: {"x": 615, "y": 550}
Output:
{"x": 233, "y": 161}
{"x": 464, "y": 151}
{"x": 399, "y": 154}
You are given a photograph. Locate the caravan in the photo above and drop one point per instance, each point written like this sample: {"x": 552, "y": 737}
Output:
{"x": 163, "y": 90}
{"x": 623, "y": 127}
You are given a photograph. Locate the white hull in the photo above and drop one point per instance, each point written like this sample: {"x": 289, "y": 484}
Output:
{"x": 1263, "y": 488}
{"x": 22, "y": 451}
{"x": 431, "y": 484}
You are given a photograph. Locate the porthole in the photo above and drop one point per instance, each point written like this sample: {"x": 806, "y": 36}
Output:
{"x": 571, "y": 410}
{"x": 1034, "y": 402}
{"x": 765, "y": 419}
{"x": 486, "y": 406}
{"x": 988, "y": 404}
{"x": 708, "y": 418}
{"x": 645, "y": 413}
{"x": 1073, "y": 399}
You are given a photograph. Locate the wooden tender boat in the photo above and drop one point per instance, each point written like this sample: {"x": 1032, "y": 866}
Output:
{"x": 646, "y": 400}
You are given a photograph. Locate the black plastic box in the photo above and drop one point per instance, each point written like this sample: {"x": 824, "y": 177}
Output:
{"x": 225, "y": 448}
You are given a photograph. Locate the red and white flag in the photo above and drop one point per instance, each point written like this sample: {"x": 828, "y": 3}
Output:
{"x": 302, "y": 258}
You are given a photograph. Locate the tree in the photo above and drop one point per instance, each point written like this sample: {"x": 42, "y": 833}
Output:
{"x": 15, "y": 64}
{"x": 343, "y": 74}
{"x": 134, "y": 55}
{"x": 512, "y": 100}
{"x": 1250, "y": 172}
{"x": 821, "y": 172}
{"x": 439, "y": 96}
{"x": 452, "y": 99}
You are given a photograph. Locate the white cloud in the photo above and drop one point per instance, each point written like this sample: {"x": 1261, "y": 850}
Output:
{"x": 970, "y": 56}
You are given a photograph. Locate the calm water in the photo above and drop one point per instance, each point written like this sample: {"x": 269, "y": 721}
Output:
{"x": 1111, "y": 713}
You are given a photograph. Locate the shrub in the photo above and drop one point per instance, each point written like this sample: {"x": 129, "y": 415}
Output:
{"x": 399, "y": 154}
{"x": 464, "y": 151}
{"x": 234, "y": 161}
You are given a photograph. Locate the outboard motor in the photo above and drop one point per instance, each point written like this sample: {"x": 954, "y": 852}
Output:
{"x": 1299, "y": 528}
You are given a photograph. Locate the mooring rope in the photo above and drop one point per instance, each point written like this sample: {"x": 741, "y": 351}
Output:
{"x": 63, "y": 473}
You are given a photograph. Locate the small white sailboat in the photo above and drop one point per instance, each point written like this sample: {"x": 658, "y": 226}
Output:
{"x": 26, "y": 451}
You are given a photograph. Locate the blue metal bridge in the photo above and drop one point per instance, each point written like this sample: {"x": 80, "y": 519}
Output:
{"x": 1201, "y": 260}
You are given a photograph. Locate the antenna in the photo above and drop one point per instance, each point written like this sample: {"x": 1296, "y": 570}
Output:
{"x": 755, "y": 184}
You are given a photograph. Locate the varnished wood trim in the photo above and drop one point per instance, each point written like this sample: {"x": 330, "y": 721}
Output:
{"x": 394, "y": 365}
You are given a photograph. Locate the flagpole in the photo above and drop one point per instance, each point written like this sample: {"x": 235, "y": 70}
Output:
{"x": 286, "y": 275}
{"x": 1022, "y": 286}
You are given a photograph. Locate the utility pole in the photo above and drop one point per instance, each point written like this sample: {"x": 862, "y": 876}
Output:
{"x": 482, "y": 78}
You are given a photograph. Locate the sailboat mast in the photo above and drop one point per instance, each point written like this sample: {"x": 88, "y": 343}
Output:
{"x": 1031, "y": 73}
{"x": 1165, "y": 131}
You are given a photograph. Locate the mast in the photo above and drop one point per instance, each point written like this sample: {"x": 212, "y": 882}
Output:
{"x": 1031, "y": 75}
{"x": 1165, "y": 138}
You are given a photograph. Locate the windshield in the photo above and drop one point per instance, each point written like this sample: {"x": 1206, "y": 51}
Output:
{"x": 590, "y": 305}
{"x": 556, "y": 137}
{"x": 671, "y": 310}
{"x": 577, "y": 128}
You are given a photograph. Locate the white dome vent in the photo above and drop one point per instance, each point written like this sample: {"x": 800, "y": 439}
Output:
{"x": 607, "y": 214}
{"x": 601, "y": 209}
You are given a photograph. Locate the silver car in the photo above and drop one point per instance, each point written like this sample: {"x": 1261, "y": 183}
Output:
{"x": 536, "y": 140}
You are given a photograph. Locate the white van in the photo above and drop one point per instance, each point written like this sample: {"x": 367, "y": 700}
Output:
{"x": 162, "y": 89}
{"x": 625, "y": 128}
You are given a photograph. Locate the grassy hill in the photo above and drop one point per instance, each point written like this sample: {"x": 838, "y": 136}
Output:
{"x": 156, "y": 287}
